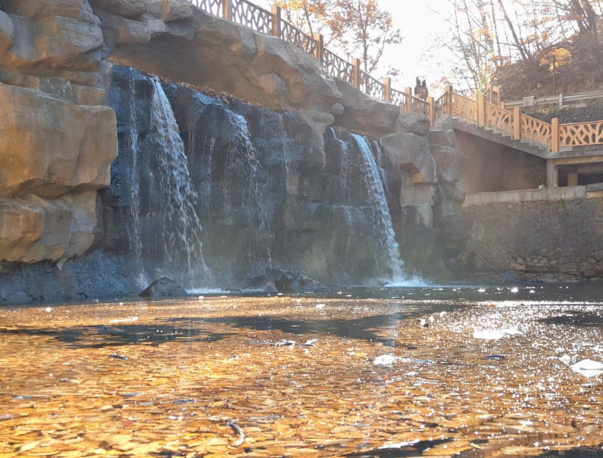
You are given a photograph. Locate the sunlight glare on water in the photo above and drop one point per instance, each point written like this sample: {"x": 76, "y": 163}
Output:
{"x": 434, "y": 372}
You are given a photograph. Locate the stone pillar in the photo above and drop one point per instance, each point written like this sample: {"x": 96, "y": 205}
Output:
{"x": 552, "y": 174}
{"x": 572, "y": 179}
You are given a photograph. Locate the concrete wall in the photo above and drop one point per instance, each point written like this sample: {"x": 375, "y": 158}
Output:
{"x": 491, "y": 167}
{"x": 549, "y": 236}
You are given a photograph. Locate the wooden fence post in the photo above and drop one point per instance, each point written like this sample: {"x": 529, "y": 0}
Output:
{"x": 356, "y": 72}
{"x": 555, "y": 135}
{"x": 387, "y": 91}
{"x": 227, "y": 9}
{"x": 481, "y": 110}
{"x": 517, "y": 123}
{"x": 449, "y": 99}
{"x": 319, "y": 52}
{"x": 432, "y": 118}
{"x": 408, "y": 108}
{"x": 490, "y": 97}
{"x": 276, "y": 21}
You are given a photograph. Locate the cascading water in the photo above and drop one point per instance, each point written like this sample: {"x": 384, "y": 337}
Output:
{"x": 171, "y": 185}
{"x": 391, "y": 249}
{"x": 261, "y": 183}
{"x": 256, "y": 198}
{"x": 134, "y": 188}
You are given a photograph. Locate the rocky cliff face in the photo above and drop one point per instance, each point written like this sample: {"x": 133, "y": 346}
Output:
{"x": 203, "y": 187}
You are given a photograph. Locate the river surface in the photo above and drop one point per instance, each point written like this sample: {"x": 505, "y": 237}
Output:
{"x": 480, "y": 372}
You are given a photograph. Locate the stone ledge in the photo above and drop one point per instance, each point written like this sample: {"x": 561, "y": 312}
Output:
{"x": 531, "y": 195}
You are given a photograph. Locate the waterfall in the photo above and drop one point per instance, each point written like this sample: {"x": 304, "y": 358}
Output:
{"x": 383, "y": 218}
{"x": 134, "y": 188}
{"x": 171, "y": 188}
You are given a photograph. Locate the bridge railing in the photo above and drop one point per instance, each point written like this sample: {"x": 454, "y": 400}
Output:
{"x": 248, "y": 14}
{"x": 487, "y": 110}
{"x": 581, "y": 134}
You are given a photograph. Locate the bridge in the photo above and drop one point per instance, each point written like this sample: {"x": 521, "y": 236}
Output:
{"x": 575, "y": 148}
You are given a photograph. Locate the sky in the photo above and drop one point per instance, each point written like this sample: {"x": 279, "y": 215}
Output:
{"x": 419, "y": 25}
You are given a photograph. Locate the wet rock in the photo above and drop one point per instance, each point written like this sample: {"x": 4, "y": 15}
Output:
{"x": 261, "y": 283}
{"x": 164, "y": 287}
{"x": 290, "y": 282}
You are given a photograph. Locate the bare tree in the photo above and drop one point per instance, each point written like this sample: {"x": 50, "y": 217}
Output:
{"x": 354, "y": 26}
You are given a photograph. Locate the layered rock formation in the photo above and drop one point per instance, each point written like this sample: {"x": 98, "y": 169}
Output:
{"x": 56, "y": 143}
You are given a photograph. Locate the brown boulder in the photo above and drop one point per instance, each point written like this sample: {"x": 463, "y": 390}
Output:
{"x": 34, "y": 229}
{"x": 125, "y": 8}
{"x": 48, "y": 146}
{"x": 37, "y": 9}
{"x": 413, "y": 123}
{"x": 365, "y": 113}
{"x": 124, "y": 31}
{"x": 60, "y": 42}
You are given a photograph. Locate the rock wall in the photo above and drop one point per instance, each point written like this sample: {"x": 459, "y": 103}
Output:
{"x": 550, "y": 239}
{"x": 56, "y": 142}
{"x": 491, "y": 167}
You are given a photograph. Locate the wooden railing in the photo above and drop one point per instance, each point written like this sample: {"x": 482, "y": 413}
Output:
{"x": 581, "y": 134}
{"x": 372, "y": 87}
{"x": 498, "y": 118}
{"x": 463, "y": 107}
{"x": 519, "y": 125}
{"x": 488, "y": 110}
{"x": 248, "y": 14}
{"x": 536, "y": 130}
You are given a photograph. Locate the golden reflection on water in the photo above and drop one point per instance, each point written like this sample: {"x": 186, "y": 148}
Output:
{"x": 67, "y": 389}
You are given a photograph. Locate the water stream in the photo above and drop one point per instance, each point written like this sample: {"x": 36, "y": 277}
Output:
{"x": 387, "y": 239}
{"x": 172, "y": 186}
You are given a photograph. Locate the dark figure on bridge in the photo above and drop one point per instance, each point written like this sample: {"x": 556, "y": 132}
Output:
{"x": 421, "y": 90}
